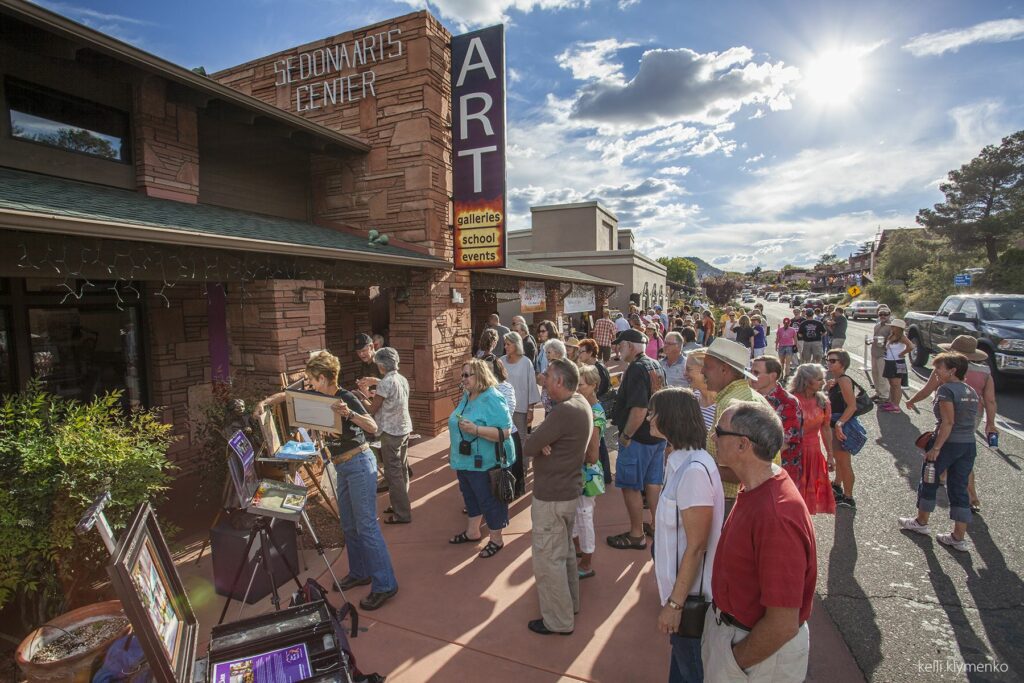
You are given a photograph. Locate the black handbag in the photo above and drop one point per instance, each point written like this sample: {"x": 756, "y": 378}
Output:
{"x": 695, "y": 607}
{"x": 864, "y": 403}
{"x": 503, "y": 482}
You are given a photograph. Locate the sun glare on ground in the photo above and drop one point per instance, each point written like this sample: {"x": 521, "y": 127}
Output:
{"x": 834, "y": 77}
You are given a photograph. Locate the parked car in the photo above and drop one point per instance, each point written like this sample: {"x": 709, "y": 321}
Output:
{"x": 748, "y": 298}
{"x": 813, "y": 302}
{"x": 773, "y": 296}
{"x": 862, "y": 309}
{"x": 785, "y": 298}
{"x": 995, "y": 320}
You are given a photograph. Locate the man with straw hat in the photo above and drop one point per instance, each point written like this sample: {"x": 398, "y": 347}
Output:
{"x": 979, "y": 378}
{"x": 725, "y": 371}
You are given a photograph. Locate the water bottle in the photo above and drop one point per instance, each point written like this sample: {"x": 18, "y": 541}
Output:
{"x": 928, "y": 476}
{"x": 993, "y": 439}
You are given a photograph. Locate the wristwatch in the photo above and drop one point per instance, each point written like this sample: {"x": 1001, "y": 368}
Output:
{"x": 674, "y": 605}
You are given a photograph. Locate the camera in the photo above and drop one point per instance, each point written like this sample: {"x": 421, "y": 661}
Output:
{"x": 465, "y": 448}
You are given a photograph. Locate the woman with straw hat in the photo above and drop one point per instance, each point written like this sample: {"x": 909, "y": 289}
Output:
{"x": 897, "y": 348}
{"x": 979, "y": 378}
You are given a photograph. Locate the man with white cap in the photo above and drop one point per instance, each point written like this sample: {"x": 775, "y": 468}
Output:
{"x": 878, "y": 337}
{"x": 725, "y": 371}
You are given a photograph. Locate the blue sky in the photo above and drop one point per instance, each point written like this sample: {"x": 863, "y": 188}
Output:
{"x": 746, "y": 133}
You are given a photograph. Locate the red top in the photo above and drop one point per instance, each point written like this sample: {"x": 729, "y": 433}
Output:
{"x": 766, "y": 554}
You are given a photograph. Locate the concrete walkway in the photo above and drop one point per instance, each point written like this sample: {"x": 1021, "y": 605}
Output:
{"x": 461, "y": 618}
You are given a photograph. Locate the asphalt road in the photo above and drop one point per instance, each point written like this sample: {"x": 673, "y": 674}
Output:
{"x": 909, "y": 608}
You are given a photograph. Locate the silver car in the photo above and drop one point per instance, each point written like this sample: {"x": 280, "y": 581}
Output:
{"x": 862, "y": 309}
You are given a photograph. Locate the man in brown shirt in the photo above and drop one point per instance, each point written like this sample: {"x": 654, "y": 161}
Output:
{"x": 557, "y": 448}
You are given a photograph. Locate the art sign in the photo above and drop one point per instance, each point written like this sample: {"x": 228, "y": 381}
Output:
{"x": 532, "y": 297}
{"x": 580, "y": 299}
{"x": 478, "y": 148}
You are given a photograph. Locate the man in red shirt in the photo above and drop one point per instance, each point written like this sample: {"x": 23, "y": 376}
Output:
{"x": 765, "y": 566}
{"x": 604, "y": 333}
{"x": 768, "y": 370}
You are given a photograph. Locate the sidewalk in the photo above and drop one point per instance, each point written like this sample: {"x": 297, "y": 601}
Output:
{"x": 459, "y": 617}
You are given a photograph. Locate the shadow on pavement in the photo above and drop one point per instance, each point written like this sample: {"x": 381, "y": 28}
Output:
{"x": 845, "y": 595}
{"x": 897, "y": 438}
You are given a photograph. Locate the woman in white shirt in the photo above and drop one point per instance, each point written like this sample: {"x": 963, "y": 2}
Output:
{"x": 689, "y": 520}
{"x": 527, "y": 395}
{"x": 897, "y": 348}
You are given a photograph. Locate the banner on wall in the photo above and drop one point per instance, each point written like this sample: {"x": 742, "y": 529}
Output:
{"x": 532, "y": 297}
{"x": 478, "y": 148}
{"x": 580, "y": 299}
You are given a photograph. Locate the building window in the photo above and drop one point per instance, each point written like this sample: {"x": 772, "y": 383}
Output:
{"x": 48, "y": 117}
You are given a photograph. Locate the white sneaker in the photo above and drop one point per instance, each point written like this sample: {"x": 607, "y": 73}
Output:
{"x": 947, "y": 539}
{"x": 911, "y": 524}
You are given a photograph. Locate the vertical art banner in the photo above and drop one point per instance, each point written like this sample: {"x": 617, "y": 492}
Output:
{"x": 478, "y": 148}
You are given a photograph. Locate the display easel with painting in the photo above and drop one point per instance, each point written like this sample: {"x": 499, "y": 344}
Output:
{"x": 302, "y": 644}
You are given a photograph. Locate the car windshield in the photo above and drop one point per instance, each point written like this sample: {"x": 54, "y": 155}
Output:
{"x": 867, "y": 303}
{"x": 1003, "y": 309}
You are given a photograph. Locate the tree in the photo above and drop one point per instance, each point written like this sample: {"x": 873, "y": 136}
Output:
{"x": 866, "y": 248}
{"x": 904, "y": 251}
{"x": 681, "y": 270}
{"x": 827, "y": 258}
{"x": 983, "y": 206}
{"x": 721, "y": 289}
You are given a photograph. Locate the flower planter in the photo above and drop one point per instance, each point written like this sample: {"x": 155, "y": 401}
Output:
{"x": 77, "y": 668}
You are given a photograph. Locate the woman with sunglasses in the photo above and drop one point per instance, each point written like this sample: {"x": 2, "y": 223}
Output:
{"x": 848, "y": 434}
{"x": 474, "y": 432}
{"x": 806, "y": 385}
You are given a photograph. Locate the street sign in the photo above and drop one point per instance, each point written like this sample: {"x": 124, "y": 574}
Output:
{"x": 962, "y": 280}
{"x": 854, "y": 291}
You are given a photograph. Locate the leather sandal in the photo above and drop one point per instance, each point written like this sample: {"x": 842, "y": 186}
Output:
{"x": 395, "y": 520}
{"x": 627, "y": 542}
{"x": 491, "y": 549}
{"x": 462, "y": 538}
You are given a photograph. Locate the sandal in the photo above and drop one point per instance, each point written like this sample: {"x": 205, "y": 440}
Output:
{"x": 627, "y": 542}
{"x": 491, "y": 549}
{"x": 586, "y": 574}
{"x": 648, "y": 530}
{"x": 395, "y": 520}
{"x": 462, "y": 538}
{"x": 388, "y": 510}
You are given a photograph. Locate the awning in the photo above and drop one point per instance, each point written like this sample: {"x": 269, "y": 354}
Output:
{"x": 39, "y": 203}
{"x": 527, "y": 270}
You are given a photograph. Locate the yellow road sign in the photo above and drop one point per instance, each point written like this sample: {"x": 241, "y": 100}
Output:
{"x": 854, "y": 291}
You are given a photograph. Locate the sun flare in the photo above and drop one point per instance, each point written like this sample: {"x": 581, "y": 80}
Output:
{"x": 834, "y": 77}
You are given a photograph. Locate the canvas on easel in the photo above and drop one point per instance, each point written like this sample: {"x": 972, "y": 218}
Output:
{"x": 262, "y": 496}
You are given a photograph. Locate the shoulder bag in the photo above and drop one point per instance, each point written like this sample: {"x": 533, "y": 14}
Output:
{"x": 503, "y": 482}
{"x": 695, "y": 607}
{"x": 864, "y": 403}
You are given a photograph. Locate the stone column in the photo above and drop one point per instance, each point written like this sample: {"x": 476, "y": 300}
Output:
{"x": 555, "y": 303}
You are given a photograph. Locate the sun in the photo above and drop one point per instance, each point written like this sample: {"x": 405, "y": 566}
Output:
{"x": 834, "y": 77}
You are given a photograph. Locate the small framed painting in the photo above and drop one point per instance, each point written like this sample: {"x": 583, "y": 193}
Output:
{"x": 144, "y": 577}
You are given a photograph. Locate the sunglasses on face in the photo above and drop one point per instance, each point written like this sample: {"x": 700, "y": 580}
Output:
{"x": 833, "y": 360}
{"x": 466, "y": 375}
{"x": 719, "y": 432}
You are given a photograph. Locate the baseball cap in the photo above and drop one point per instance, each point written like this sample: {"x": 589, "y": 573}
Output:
{"x": 362, "y": 341}
{"x": 630, "y": 335}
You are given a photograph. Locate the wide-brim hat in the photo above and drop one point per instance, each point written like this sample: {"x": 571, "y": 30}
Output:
{"x": 966, "y": 345}
{"x": 898, "y": 322}
{"x": 733, "y": 354}
{"x": 630, "y": 335}
{"x": 572, "y": 341}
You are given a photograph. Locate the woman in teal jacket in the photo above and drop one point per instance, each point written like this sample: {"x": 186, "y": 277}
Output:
{"x": 474, "y": 432}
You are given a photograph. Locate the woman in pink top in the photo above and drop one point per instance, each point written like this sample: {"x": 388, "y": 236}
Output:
{"x": 979, "y": 378}
{"x": 654, "y": 341}
{"x": 785, "y": 344}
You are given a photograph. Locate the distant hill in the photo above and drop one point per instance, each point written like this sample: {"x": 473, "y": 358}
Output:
{"x": 704, "y": 269}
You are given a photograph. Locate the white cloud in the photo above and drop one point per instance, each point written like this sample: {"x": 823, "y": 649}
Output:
{"x": 754, "y": 159}
{"x": 590, "y": 61}
{"x": 832, "y": 176}
{"x": 683, "y": 85}
{"x": 951, "y": 40}
{"x": 514, "y": 76}
{"x": 626, "y": 4}
{"x": 484, "y": 12}
{"x": 712, "y": 143}
{"x": 674, "y": 170}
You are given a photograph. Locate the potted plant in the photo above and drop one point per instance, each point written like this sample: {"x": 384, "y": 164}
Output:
{"x": 56, "y": 456}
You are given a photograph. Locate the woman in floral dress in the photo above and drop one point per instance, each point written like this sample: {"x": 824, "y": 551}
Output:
{"x": 815, "y": 485}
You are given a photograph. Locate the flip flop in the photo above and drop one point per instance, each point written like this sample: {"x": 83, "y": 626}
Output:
{"x": 586, "y": 574}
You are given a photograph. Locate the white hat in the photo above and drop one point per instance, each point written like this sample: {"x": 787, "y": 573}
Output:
{"x": 898, "y": 322}
{"x": 733, "y": 354}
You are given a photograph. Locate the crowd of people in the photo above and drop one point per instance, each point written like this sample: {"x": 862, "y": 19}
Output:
{"x": 729, "y": 448}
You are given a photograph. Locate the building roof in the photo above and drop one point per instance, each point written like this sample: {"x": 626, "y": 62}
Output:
{"x": 538, "y": 271}
{"x": 34, "y": 202}
{"x": 575, "y": 205}
{"x": 204, "y": 86}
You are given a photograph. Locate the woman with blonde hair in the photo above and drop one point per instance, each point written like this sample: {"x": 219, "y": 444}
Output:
{"x": 694, "y": 371}
{"x": 480, "y": 420}
{"x": 356, "y": 467}
{"x": 815, "y": 485}
{"x": 583, "y": 530}
{"x": 897, "y": 348}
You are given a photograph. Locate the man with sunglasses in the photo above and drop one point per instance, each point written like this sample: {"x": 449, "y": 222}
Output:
{"x": 878, "y": 336}
{"x": 765, "y": 565}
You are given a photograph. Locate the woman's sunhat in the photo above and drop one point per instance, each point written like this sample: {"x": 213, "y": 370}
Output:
{"x": 966, "y": 345}
{"x": 898, "y": 322}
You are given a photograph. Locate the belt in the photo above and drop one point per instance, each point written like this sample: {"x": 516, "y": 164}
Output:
{"x": 348, "y": 455}
{"x": 728, "y": 619}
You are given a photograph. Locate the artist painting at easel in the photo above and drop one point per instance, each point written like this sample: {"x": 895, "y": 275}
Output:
{"x": 368, "y": 559}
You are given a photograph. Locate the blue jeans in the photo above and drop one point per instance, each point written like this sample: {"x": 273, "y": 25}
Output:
{"x": 476, "y": 493}
{"x": 685, "y": 665}
{"x": 357, "y": 504}
{"x": 957, "y": 460}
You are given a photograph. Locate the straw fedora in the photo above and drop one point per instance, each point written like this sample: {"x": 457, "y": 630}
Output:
{"x": 966, "y": 345}
{"x": 898, "y": 322}
{"x": 733, "y": 354}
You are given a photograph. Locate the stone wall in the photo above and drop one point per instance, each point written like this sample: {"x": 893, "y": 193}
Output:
{"x": 166, "y": 144}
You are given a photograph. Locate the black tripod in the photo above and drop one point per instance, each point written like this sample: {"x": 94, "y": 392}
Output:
{"x": 261, "y": 529}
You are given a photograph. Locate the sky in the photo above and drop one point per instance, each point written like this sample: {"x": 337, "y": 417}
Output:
{"x": 746, "y": 133}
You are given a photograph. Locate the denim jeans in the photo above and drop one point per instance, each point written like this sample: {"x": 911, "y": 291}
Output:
{"x": 957, "y": 460}
{"x": 357, "y": 503}
{"x": 685, "y": 665}
{"x": 480, "y": 500}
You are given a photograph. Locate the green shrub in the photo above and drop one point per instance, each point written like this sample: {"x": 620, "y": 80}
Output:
{"x": 890, "y": 295}
{"x": 56, "y": 456}
{"x": 1005, "y": 276}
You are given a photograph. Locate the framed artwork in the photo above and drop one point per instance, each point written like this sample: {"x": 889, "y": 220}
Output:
{"x": 312, "y": 410}
{"x": 149, "y": 587}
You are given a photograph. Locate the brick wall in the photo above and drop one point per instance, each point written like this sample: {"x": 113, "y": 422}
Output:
{"x": 166, "y": 144}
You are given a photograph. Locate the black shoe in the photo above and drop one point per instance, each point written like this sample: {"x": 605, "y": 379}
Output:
{"x": 837, "y": 492}
{"x": 376, "y": 600}
{"x": 847, "y": 502}
{"x": 350, "y": 581}
{"x": 537, "y": 626}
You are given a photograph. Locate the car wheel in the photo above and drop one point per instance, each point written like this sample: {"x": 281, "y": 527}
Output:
{"x": 919, "y": 357}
